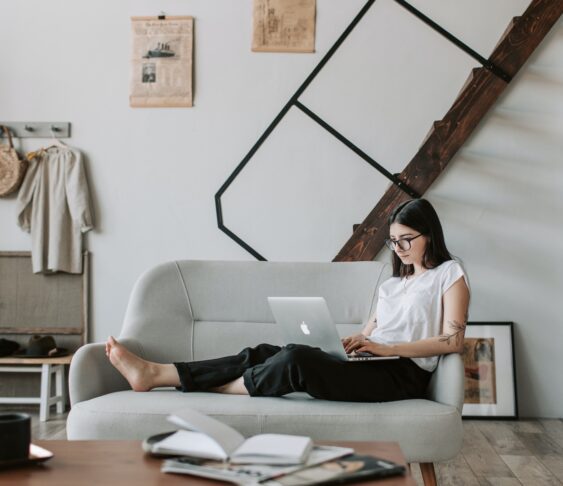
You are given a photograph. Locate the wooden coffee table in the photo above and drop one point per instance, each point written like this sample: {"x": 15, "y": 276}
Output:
{"x": 123, "y": 463}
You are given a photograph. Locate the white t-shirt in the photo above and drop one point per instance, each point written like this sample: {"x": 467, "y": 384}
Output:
{"x": 411, "y": 309}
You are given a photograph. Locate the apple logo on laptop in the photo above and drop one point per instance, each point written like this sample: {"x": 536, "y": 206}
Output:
{"x": 305, "y": 328}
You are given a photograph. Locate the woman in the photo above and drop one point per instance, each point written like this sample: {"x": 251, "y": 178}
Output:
{"x": 421, "y": 313}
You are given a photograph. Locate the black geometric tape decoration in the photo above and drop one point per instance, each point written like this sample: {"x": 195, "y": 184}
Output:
{"x": 294, "y": 102}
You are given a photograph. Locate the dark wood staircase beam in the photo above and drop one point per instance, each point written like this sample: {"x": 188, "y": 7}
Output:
{"x": 478, "y": 95}
{"x": 525, "y": 33}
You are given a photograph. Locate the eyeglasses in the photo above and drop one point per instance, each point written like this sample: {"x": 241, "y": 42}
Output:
{"x": 403, "y": 243}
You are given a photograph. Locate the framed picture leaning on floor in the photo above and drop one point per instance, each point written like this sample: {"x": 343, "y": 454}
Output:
{"x": 490, "y": 376}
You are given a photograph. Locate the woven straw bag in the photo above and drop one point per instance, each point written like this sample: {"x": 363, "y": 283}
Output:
{"x": 12, "y": 168}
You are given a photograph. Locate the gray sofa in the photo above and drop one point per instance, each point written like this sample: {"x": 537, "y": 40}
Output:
{"x": 191, "y": 310}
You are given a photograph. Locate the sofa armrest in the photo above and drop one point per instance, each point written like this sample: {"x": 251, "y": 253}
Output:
{"x": 448, "y": 381}
{"x": 92, "y": 375}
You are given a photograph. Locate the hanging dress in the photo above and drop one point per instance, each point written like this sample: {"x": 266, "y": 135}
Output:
{"x": 54, "y": 206}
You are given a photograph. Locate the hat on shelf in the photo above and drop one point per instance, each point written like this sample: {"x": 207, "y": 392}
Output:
{"x": 41, "y": 347}
{"x": 7, "y": 347}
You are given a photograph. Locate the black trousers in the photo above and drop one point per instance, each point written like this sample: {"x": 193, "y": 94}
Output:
{"x": 273, "y": 371}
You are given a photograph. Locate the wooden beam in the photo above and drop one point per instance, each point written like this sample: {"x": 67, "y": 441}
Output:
{"x": 525, "y": 33}
{"x": 480, "y": 92}
{"x": 443, "y": 141}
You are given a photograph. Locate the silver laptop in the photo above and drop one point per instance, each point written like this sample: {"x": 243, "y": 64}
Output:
{"x": 307, "y": 320}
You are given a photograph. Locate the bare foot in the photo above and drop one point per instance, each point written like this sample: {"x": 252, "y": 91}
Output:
{"x": 139, "y": 373}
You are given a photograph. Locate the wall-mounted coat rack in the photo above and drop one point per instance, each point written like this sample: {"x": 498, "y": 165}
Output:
{"x": 38, "y": 129}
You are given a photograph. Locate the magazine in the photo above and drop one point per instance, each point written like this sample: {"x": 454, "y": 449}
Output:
{"x": 245, "y": 474}
{"x": 206, "y": 438}
{"x": 344, "y": 470}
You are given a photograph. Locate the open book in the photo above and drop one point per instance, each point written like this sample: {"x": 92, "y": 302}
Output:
{"x": 249, "y": 474}
{"x": 204, "y": 437}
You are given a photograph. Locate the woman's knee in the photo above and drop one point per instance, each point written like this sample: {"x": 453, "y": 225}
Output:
{"x": 298, "y": 354}
{"x": 266, "y": 348}
{"x": 259, "y": 353}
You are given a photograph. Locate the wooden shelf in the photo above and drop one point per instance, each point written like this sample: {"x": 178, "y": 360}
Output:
{"x": 41, "y": 330}
{"x": 36, "y": 361}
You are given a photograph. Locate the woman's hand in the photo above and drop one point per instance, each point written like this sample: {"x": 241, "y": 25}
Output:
{"x": 352, "y": 343}
{"x": 376, "y": 349}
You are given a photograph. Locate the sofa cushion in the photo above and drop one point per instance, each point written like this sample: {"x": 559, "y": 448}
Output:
{"x": 186, "y": 310}
{"x": 412, "y": 423}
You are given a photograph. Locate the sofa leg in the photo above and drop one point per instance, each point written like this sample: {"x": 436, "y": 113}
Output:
{"x": 428, "y": 473}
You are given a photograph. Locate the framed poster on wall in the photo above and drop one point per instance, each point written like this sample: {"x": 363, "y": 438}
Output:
{"x": 490, "y": 375}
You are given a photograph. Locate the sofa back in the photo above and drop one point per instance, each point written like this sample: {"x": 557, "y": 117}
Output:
{"x": 187, "y": 310}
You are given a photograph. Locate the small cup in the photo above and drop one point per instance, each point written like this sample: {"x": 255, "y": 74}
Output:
{"x": 15, "y": 436}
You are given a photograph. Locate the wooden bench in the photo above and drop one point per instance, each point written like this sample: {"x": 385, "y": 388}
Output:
{"x": 47, "y": 367}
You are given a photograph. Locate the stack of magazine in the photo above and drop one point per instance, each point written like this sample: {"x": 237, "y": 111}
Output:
{"x": 208, "y": 448}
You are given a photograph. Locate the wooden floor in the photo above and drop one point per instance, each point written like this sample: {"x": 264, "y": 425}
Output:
{"x": 495, "y": 453}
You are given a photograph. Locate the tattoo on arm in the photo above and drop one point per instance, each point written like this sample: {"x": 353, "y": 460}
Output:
{"x": 457, "y": 335}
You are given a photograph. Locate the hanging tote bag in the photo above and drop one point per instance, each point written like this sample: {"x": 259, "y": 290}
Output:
{"x": 12, "y": 168}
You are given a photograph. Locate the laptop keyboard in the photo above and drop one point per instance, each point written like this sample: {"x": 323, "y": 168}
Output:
{"x": 360, "y": 356}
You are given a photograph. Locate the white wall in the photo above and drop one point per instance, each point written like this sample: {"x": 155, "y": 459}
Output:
{"x": 154, "y": 172}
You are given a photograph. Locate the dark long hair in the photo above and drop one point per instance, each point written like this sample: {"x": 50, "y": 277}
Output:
{"x": 419, "y": 215}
